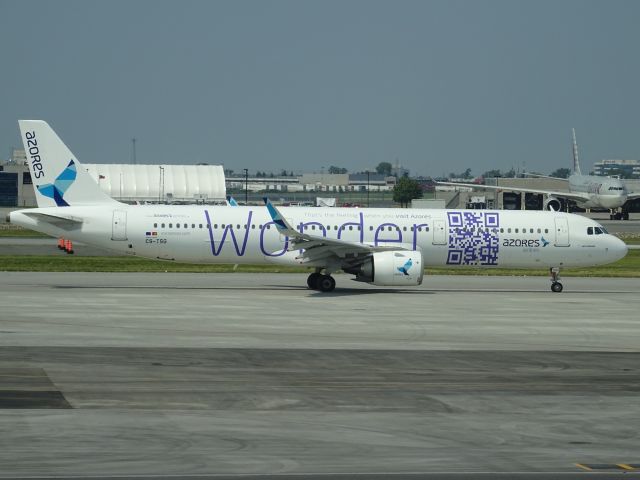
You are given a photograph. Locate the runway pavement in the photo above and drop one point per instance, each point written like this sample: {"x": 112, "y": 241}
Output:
{"x": 160, "y": 375}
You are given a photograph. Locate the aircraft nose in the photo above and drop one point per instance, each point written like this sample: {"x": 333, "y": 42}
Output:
{"x": 617, "y": 249}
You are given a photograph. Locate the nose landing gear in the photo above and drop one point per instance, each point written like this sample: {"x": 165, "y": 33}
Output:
{"x": 556, "y": 286}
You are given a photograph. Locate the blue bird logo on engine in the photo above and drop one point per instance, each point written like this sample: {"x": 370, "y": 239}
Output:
{"x": 405, "y": 268}
{"x": 57, "y": 189}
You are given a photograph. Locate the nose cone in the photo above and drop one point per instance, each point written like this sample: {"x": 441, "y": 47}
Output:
{"x": 613, "y": 201}
{"x": 616, "y": 249}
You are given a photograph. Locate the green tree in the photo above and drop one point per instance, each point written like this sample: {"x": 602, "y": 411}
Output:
{"x": 335, "y": 170}
{"x": 492, "y": 174}
{"x": 384, "y": 168}
{"x": 406, "y": 190}
{"x": 561, "y": 173}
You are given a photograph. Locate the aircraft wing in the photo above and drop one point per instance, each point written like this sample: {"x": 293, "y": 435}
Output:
{"x": 633, "y": 196}
{"x": 575, "y": 196}
{"x": 317, "y": 248}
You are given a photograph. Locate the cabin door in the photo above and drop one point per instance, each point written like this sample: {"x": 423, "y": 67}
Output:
{"x": 562, "y": 232}
{"x": 119, "y": 227}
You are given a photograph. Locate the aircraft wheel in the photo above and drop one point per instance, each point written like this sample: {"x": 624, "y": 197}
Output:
{"x": 312, "y": 281}
{"x": 556, "y": 287}
{"x": 325, "y": 283}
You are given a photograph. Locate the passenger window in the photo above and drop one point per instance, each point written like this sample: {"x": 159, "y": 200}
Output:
{"x": 163, "y": 225}
{"x": 531, "y": 230}
{"x": 186, "y": 225}
{"x": 539, "y": 231}
{"x": 546, "y": 230}
{"x": 253, "y": 227}
{"x": 404, "y": 229}
{"x": 313, "y": 227}
{"x": 508, "y": 230}
{"x": 193, "y": 225}
{"x": 371, "y": 228}
{"x": 238, "y": 226}
{"x": 171, "y": 225}
{"x": 516, "y": 230}
{"x": 222, "y": 225}
{"x": 155, "y": 225}
{"x": 177, "y": 225}
{"x": 350, "y": 227}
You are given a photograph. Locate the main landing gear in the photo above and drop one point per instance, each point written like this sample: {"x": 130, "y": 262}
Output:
{"x": 556, "y": 286}
{"x": 321, "y": 282}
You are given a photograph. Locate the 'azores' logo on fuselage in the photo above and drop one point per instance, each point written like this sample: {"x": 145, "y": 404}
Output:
{"x": 58, "y": 188}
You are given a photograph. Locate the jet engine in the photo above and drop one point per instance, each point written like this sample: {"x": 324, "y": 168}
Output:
{"x": 553, "y": 204}
{"x": 391, "y": 268}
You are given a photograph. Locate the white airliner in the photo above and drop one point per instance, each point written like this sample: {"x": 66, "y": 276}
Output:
{"x": 588, "y": 191}
{"x": 388, "y": 247}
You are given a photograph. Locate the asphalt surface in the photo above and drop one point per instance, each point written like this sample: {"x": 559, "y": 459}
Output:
{"x": 229, "y": 375}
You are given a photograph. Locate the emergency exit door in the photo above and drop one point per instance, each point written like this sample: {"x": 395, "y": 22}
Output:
{"x": 439, "y": 232}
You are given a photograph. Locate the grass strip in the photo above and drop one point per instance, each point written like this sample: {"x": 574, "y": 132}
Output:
{"x": 627, "y": 267}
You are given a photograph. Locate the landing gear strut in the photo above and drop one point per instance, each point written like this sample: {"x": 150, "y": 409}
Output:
{"x": 321, "y": 282}
{"x": 556, "y": 286}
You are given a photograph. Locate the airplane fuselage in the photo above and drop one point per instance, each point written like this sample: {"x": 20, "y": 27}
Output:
{"x": 603, "y": 192}
{"x": 237, "y": 235}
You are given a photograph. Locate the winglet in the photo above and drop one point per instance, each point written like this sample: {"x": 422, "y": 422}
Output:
{"x": 231, "y": 201}
{"x": 281, "y": 224}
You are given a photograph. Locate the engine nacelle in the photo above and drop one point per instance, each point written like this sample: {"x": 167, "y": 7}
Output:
{"x": 553, "y": 204}
{"x": 395, "y": 268}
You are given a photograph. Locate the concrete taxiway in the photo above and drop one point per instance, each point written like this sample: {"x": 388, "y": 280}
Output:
{"x": 226, "y": 374}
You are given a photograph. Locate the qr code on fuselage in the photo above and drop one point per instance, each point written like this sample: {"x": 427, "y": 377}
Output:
{"x": 473, "y": 238}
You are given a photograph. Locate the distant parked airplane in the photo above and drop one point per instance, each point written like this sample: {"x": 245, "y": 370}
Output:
{"x": 380, "y": 246}
{"x": 588, "y": 191}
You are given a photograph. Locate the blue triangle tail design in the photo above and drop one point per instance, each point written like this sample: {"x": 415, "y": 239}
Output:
{"x": 58, "y": 188}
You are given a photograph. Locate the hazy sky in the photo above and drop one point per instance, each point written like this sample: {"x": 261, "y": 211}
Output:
{"x": 300, "y": 85}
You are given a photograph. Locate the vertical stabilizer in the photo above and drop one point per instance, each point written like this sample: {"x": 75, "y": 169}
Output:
{"x": 576, "y": 162}
{"x": 58, "y": 178}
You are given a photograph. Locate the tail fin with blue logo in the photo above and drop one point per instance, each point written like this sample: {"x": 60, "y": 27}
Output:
{"x": 58, "y": 178}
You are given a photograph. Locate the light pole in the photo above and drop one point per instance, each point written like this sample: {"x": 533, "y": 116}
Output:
{"x": 368, "y": 188}
{"x": 161, "y": 185}
{"x": 246, "y": 186}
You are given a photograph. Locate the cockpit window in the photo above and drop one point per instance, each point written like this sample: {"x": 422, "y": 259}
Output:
{"x": 598, "y": 231}
{"x": 589, "y": 230}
